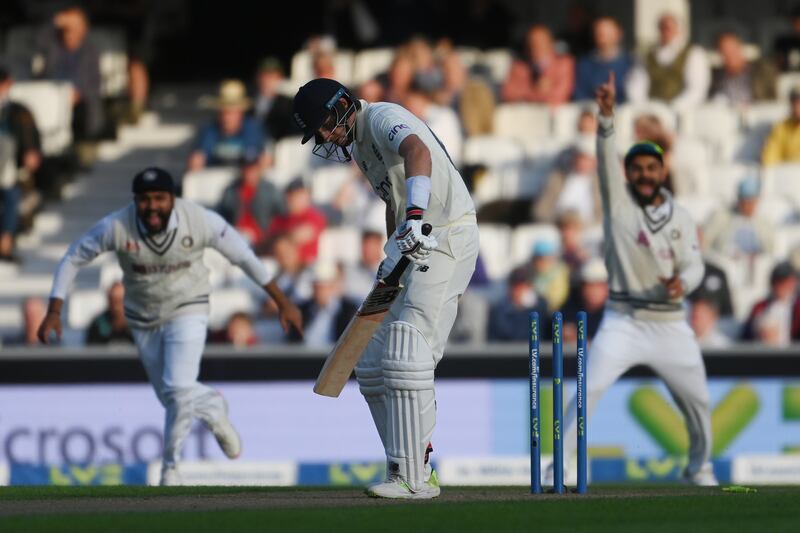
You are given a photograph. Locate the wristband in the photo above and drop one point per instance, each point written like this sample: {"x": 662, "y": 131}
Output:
{"x": 418, "y": 192}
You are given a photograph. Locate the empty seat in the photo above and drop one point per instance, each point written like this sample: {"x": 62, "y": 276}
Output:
{"x": 369, "y": 63}
{"x": 327, "y": 181}
{"x": 492, "y": 151}
{"x": 690, "y": 167}
{"x": 522, "y": 121}
{"x": 724, "y": 180}
{"x": 783, "y": 181}
{"x": 302, "y": 68}
{"x": 495, "y": 245}
{"x": 83, "y": 306}
{"x": 785, "y": 83}
{"x": 775, "y": 209}
{"x": 498, "y": 61}
{"x": 468, "y": 55}
{"x": 565, "y": 119}
{"x": 525, "y": 236}
{"x": 716, "y": 124}
{"x": 700, "y": 207}
{"x": 627, "y": 113}
{"x": 206, "y": 186}
{"x": 51, "y": 105}
{"x": 340, "y": 245}
{"x": 292, "y": 160}
{"x": 227, "y": 301}
{"x": 787, "y": 240}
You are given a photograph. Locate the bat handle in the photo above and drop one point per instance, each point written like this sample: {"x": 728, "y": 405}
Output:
{"x": 394, "y": 276}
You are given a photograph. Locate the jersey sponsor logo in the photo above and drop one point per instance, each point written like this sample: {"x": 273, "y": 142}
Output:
{"x": 364, "y": 166}
{"x": 160, "y": 269}
{"x": 187, "y": 242}
{"x": 376, "y": 152}
{"x": 395, "y": 129}
{"x": 384, "y": 189}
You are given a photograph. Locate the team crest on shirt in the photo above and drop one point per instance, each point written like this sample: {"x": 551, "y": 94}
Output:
{"x": 675, "y": 234}
{"x": 132, "y": 247}
{"x": 187, "y": 242}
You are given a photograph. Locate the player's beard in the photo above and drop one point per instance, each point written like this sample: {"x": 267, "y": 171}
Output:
{"x": 641, "y": 199}
{"x": 147, "y": 216}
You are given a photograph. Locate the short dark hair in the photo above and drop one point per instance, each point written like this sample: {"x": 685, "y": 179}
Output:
{"x": 5, "y": 74}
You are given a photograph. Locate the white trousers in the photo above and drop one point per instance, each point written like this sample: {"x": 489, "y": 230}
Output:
{"x": 171, "y": 356}
{"x": 671, "y": 351}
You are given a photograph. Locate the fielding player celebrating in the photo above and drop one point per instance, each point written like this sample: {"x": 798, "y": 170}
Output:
{"x": 410, "y": 170}
{"x": 159, "y": 241}
{"x": 653, "y": 260}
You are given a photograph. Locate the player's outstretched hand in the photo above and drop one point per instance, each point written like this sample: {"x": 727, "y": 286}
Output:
{"x": 606, "y": 95}
{"x": 674, "y": 287}
{"x": 290, "y": 316}
{"x": 51, "y": 322}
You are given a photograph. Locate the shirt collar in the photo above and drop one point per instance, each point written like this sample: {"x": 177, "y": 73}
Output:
{"x": 361, "y": 121}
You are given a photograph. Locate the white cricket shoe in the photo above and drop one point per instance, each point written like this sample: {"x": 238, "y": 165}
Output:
{"x": 702, "y": 478}
{"x": 395, "y": 487}
{"x": 170, "y": 476}
{"x": 227, "y": 437}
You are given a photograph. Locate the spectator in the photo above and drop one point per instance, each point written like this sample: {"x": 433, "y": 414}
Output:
{"x": 322, "y": 49}
{"x": 360, "y": 278}
{"x": 585, "y": 133}
{"x": 508, "y": 318}
{"x": 294, "y": 278}
{"x": 787, "y": 46}
{"x": 20, "y": 157}
{"x": 577, "y": 190}
{"x": 783, "y": 143}
{"x": 302, "y": 221}
{"x": 548, "y": 274}
{"x": 239, "y": 331}
{"x": 714, "y": 286}
{"x": 442, "y": 120}
{"x": 573, "y": 251}
{"x": 704, "y": 318}
{"x": 327, "y": 313}
{"x": 740, "y": 232}
{"x": 70, "y": 56}
{"x": 776, "y": 319}
{"x": 608, "y": 55}
{"x": 677, "y": 71}
{"x": 110, "y": 326}
{"x": 273, "y": 109}
{"x": 739, "y": 81}
{"x": 250, "y": 203}
{"x": 232, "y": 137}
{"x": 543, "y": 75}
{"x": 591, "y": 297}
{"x": 33, "y": 312}
{"x": 397, "y": 81}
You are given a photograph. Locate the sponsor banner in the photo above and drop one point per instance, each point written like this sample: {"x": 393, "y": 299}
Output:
{"x": 73, "y": 475}
{"x": 767, "y": 469}
{"x": 232, "y": 473}
{"x": 649, "y": 470}
{"x": 341, "y": 474}
{"x": 496, "y": 471}
{"x": 4, "y": 474}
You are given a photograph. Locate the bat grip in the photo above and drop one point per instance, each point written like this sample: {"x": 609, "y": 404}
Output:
{"x": 394, "y": 276}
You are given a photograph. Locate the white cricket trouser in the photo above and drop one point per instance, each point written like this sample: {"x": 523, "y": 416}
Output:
{"x": 171, "y": 356}
{"x": 428, "y": 302}
{"x": 671, "y": 351}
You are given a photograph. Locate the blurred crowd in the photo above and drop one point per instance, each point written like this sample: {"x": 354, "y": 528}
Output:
{"x": 552, "y": 259}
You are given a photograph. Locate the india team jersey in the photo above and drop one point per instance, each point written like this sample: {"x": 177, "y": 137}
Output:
{"x": 380, "y": 128}
{"x": 643, "y": 245}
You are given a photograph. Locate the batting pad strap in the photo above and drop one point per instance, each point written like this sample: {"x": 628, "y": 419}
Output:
{"x": 370, "y": 381}
{"x": 418, "y": 192}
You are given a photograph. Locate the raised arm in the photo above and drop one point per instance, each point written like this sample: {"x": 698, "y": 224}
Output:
{"x": 612, "y": 179}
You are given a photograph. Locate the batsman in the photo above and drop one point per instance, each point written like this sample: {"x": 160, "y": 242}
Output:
{"x": 411, "y": 171}
{"x": 653, "y": 261}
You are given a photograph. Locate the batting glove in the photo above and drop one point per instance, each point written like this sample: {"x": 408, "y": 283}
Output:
{"x": 412, "y": 243}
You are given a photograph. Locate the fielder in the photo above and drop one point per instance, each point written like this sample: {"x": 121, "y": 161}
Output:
{"x": 653, "y": 260}
{"x": 411, "y": 171}
{"x": 159, "y": 241}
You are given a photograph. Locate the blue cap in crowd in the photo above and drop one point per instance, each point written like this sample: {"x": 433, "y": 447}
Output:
{"x": 544, "y": 248}
{"x": 749, "y": 187}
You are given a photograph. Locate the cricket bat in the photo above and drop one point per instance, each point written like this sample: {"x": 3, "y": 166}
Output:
{"x": 348, "y": 349}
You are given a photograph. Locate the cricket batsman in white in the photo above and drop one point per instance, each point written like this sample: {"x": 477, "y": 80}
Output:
{"x": 410, "y": 170}
{"x": 653, "y": 260}
{"x": 159, "y": 241}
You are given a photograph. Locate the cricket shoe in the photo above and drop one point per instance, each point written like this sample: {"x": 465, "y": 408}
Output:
{"x": 170, "y": 476}
{"x": 227, "y": 436}
{"x": 702, "y": 478}
{"x": 395, "y": 487}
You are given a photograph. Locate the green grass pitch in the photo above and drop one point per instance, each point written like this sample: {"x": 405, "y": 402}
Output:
{"x": 221, "y": 509}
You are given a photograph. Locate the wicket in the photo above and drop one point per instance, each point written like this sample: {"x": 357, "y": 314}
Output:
{"x": 558, "y": 409}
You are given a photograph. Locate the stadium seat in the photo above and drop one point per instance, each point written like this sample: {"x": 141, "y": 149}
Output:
{"x": 327, "y": 181}
{"x": 468, "y": 55}
{"x": 783, "y": 181}
{"x": 495, "y": 243}
{"x": 340, "y": 244}
{"x": 787, "y": 240}
{"x": 690, "y": 165}
{"x": 627, "y": 113}
{"x": 716, "y": 124}
{"x": 498, "y": 61}
{"x": 207, "y": 185}
{"x": 83, "y": 306}
{"x": 224, "y": 302}
{"x": 700, "y": 207}
{"x": 51, "y": 105}
{"x": 522, "y": 121}
{"x": 757, "y": 121}
{"x": 785, "y": 83}
{"x": 111, "y": 45}
{"x": 292, "y": 160}
{"x": 302, "y": 72}
{"x": 565, "y": 119}
{"x": 503, "y": 159}
{"x": 525, "y": 236}
{"x": 724, "y": 180}
{"x": 775, "y": 209}
{"x": 369, "y": 63}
